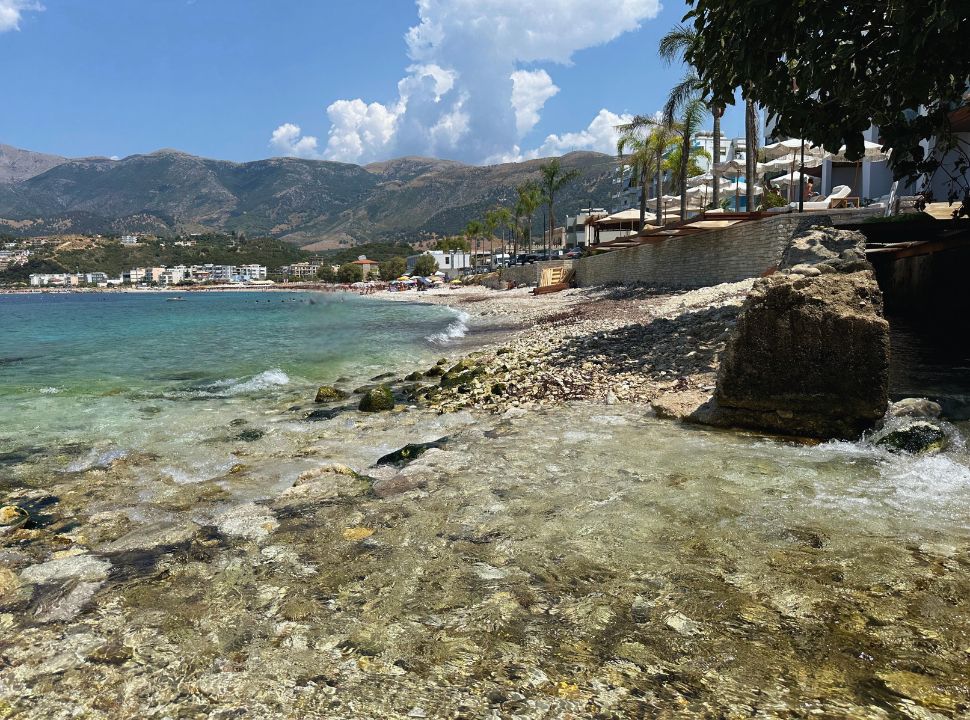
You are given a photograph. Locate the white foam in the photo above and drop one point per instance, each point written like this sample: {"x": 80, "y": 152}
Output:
{"x": 244, "y": 386}
{"x": 456, "y": 329}
{"x": 49, "y": 391}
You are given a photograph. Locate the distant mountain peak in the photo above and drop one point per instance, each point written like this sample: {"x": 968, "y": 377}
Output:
{"x": 17, "y": 165}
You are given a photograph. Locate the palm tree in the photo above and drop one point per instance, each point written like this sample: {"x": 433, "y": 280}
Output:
{"x": 750, "y": 149}
{"x": 472, "y": 230}
{"x": 674, "y": 46}
{"x": 530, "y": 198}
{"x": 661, "y": 140}
{"x": 640, "y": 161}
{"x": 554, "y": 179}
{"x": 674, "y": 160}
{"x": 500, "y": 217}
{"x": 686, "y": 100}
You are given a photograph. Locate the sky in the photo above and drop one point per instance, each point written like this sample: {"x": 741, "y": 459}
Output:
{"x": 480, "y": 81}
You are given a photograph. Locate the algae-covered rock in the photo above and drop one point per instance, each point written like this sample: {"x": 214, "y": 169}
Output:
{"x": 462, "y": 373}
{"x": 917, "y": 438}
{"x": 378, "y": 399}
{"x": 436, "y": 371}
{"x": 413, "y": 377}
{"x": 411, "y": 451}
{"x": 329, "y": 393}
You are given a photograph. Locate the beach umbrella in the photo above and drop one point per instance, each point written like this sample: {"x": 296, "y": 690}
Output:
{"x": 792, "y": 146}
{"x": 872, "y": 152}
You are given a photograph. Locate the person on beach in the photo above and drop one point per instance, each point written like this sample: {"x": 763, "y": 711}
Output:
{"x": 809, "y": 189}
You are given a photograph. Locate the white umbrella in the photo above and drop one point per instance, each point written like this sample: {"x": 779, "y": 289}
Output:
{"x": 780, "y": 163}
{"x": 872, "y": 152}
{"x": 707, "y": 179}
{"x": 792, "y": 177}
{"x": 792, "y": 146}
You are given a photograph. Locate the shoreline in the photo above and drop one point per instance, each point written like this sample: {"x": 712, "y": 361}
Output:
{"x": 654, "y": 349}
{"x": 547, "y": 552}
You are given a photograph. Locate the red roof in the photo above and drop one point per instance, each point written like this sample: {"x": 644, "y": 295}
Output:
{"x": 364, "y": 262}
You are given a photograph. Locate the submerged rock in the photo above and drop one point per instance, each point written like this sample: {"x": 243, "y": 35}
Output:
{"x": 809, "y": 357}
{"x": 410, "y": 452}
{"x": 73, "y": 567}
{"x": 323, "y": 414}
{"x": 378, "y": 399}
{"x": 917, "y": 438}
{"x": 329, "y": 393}
{"x": 12, "y": 517}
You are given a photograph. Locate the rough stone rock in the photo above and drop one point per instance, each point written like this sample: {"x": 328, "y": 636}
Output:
{"x": 329, "y": 393}
{"x": 809, "y": 357}
{"x": 160, "y": 534}
{"x": 377, "y": 400}
{"x": 73, "y": 567}
{"x": 915, "y": 408}
{"x": 916, "y": 438}
{"x": 249, "y": 521}
{"x": 388, "y": 487}
{"x": 823, "y": 245}
{"x": 11, "y": 518}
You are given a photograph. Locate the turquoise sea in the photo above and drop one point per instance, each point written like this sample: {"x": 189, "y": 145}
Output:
{"x": 95, "y": 377}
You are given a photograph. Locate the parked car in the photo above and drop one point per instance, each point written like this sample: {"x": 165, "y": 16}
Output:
{"x": 574, "y": 254}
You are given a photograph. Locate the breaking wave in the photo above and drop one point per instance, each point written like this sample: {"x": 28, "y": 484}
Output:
{"x": 456, "y": 329}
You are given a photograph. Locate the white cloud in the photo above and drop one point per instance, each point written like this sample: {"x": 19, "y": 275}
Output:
{"x": 600, "y": 136}
{"x": 530, "y": 90}
{"x": 11, "y": 12}
{"x": 289, "y": 140}
{"x": 465, "y": 94}
{"x": 357, "y": 129}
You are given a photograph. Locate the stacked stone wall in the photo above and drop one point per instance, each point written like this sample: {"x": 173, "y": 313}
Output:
{"x": 745, "y": 250}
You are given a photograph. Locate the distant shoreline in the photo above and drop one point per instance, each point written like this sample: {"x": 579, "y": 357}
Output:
{"x": 292, "y": 287}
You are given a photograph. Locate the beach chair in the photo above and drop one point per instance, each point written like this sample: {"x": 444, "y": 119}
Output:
{"x": 838, "y": 192}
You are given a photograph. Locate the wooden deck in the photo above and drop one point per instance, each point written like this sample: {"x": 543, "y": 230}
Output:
{"x": 684, "y": 228}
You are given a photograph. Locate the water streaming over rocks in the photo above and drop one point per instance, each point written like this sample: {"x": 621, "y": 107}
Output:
{"x": 583, "y": 560}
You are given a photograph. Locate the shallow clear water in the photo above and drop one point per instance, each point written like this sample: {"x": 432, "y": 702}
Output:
{"x": 580, "y": 561}
{"x": 86, "y": 379}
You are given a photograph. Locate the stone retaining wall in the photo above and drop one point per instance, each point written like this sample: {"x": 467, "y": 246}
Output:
{"x": 529, "y": 274}
{"x": 728, "y": 255}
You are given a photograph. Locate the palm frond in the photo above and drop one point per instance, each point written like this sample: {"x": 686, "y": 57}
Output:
{"x": 677, "y": 43}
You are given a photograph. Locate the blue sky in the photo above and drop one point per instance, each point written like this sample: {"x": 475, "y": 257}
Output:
{"x": 475, "y": 80}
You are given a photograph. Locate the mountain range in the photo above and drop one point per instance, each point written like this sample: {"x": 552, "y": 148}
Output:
{"x": 311, "y": 203}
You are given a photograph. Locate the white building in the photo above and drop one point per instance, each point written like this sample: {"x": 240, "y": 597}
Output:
{"x": 450, "y": 262}
{"x": 174, "y": 275}
{"x": 249, "y": 273}
{"x": 578, "y": 232}
{"x": 129, "y": 239}
{"x": 300, "y": 270}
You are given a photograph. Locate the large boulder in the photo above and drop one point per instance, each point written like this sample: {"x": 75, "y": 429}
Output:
{"x": 809, "y": 357}
{"x": 826, "y": 249}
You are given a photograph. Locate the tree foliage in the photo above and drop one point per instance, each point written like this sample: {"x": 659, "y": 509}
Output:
{"x": 350, "y": 273}
{"x": 553, "y": 179}
{"x": 448, "y": 244}
{"x": 393, "y": 268}
{"x": 828, "y": 69}
{"x": 425, "y": 265}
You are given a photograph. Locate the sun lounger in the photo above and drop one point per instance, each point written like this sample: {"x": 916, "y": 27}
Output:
{"x": 838, "y": 192}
